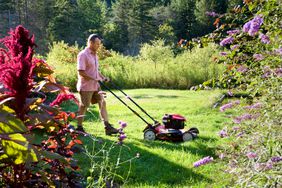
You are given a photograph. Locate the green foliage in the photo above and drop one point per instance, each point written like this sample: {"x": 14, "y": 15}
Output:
{"x": 62, "y": 58}
{"x": 166, "y": 33}
{"x": 253, "y": 150}
{"x": 156, "y": 67}
{"x": 184, "y": 20}
{"x": 35, "y": 142}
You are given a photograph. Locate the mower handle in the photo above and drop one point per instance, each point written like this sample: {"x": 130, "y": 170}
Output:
{"x": 123, "y": 102}
{"x": 128, "y": 97}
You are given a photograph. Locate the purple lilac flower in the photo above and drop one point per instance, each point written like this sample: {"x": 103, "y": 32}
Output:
{"x": 276, "y": 159}
{"x": 223, "y": 53}
{"x": 278, "y": 72}
{"x": 235, "y": 47}
{"x": 233, "y": 32}
{"x": 258, "y": 57}
{"x": 278, "y": 51}
{"x": 226, "y": 41}
{"x": 264, "y": 166}
{"x": 243, "y": 117}
{"x": 203, "y": 161}
{"x": 254, "y": 106}
{"x": 229, "y": 105}
{"x": 242, "y": 69}
{"x": 251, "y": 155}
{"x": 223, "y": 133}
{"x": 226, "y": 106}
{"x": 236, "y": 102}
{"x": 122, "y": 124}
{"x": 221, "y": 156}
{"x": 266, "y": 72}
{"x": 264, "y": 38}
{"x": 230, "y": 93}
{"x": 247, "y": 26}
{"x": 253, "y": 25}
{"x": 121, "y": 138}
{"x": 236, "y": 128}
{"x": 212, "y": 14}
{"x": 240, "y": 134}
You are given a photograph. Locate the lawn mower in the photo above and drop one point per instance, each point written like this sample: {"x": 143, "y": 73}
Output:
{"x": 171, "y": 129}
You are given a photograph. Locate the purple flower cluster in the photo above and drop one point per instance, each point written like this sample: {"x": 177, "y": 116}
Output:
{"x": 203, "y": 161}
{"x": 264, "y": 166}
{"x": 258, "y": 57}
{"x": 233, "y": 32}
{"x": 251, "y": 155}
{"x": 278, "y": 51}
{"x": 223, "y": 53}
{"x": 212, "y": 14}
{"x": 242, "y": 69}
{"x": 230, "y": 93}
{"x": 266, "y": 72}
{"x": 264, "y": 38}
{"x": 229, "y": 105}
{"x": 254, "y": 106}
{"x": 244, "y": 117}
{"x": 226, "y": 41}
{"x": 122, "y": 124}
{"x": 122, "y": 135}
{"x": 252, "y": 26}
{"x": 221, "y": 156}
{"x": 278, "y": 72}
{"x": 234, "y": 47}
{"x": 276, "y": 159}
{"x": 223, "y": 133}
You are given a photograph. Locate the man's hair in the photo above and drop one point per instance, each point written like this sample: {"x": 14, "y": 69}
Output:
{"x": 92, "y": 37}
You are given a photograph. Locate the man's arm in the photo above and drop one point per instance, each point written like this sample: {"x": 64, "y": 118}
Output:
{"x": 84, "y": 75}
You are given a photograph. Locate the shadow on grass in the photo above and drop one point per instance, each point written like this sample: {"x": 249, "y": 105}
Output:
{"x": 151, "y": 168}
{"x": 155, "y": 96}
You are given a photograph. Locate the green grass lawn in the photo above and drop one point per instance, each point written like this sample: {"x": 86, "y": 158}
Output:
{"x": 161, "y": 164}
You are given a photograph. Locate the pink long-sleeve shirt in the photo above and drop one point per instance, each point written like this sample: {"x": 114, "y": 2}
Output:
{"x": 88, "y": 62}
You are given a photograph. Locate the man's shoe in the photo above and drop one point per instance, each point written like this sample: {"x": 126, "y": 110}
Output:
{"x": 80, "y": 128}
{"x": 109, "y": 130}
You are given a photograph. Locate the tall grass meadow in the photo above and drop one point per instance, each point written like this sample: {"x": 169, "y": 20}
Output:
{"x": 155, "y": 66}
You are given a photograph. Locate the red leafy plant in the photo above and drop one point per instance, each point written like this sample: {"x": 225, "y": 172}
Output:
{"x": 36, "y": 141}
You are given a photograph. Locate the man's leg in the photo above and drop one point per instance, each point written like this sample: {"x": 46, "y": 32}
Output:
{"x": 85, "y": 99}
{"x": 109, "y": 129}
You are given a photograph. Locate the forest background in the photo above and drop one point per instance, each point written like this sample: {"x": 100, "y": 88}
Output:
{"x": 124, "y": 24}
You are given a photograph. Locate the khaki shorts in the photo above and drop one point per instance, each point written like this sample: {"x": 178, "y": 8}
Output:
{"x": 87, "y": 97}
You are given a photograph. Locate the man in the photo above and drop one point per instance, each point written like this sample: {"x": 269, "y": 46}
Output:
{"x": 88, "y": 86}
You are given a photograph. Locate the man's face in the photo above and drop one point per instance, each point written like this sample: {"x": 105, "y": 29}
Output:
{"x": 94, "y": 45}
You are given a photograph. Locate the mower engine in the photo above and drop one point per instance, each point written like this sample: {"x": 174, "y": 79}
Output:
{"x": 174, "y": 121}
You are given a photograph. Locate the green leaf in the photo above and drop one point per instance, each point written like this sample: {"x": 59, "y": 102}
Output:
{"x": 9, "y": 123}
{"x": 17, "y": 148}
{"x": 51, "y": 155}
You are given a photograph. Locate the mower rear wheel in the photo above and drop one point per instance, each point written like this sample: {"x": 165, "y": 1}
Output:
{"x": 187, "y": 137}
{"x": 149, "y": 135}
{"x": 194, "y": 130}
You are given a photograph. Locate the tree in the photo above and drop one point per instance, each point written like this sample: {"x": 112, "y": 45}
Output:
{"x": 141, "y": 26}
{"x": 203, "y": 12}
{"x": 184, "y": 18}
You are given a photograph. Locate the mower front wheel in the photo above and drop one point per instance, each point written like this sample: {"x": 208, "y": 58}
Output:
{"x": 149, "y": 135}
{"x": 187, "y": 136}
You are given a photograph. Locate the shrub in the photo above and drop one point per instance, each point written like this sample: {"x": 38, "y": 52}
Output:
{"x": 62, "y": 58}
{"x": 253, "y": 65}
{"x": 35, "y": 142}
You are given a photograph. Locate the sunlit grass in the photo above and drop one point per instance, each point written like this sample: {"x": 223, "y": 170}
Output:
{"x": 164, "y": 164}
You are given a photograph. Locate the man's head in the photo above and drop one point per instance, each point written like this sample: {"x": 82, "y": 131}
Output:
{"x": 94, "y": 42}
